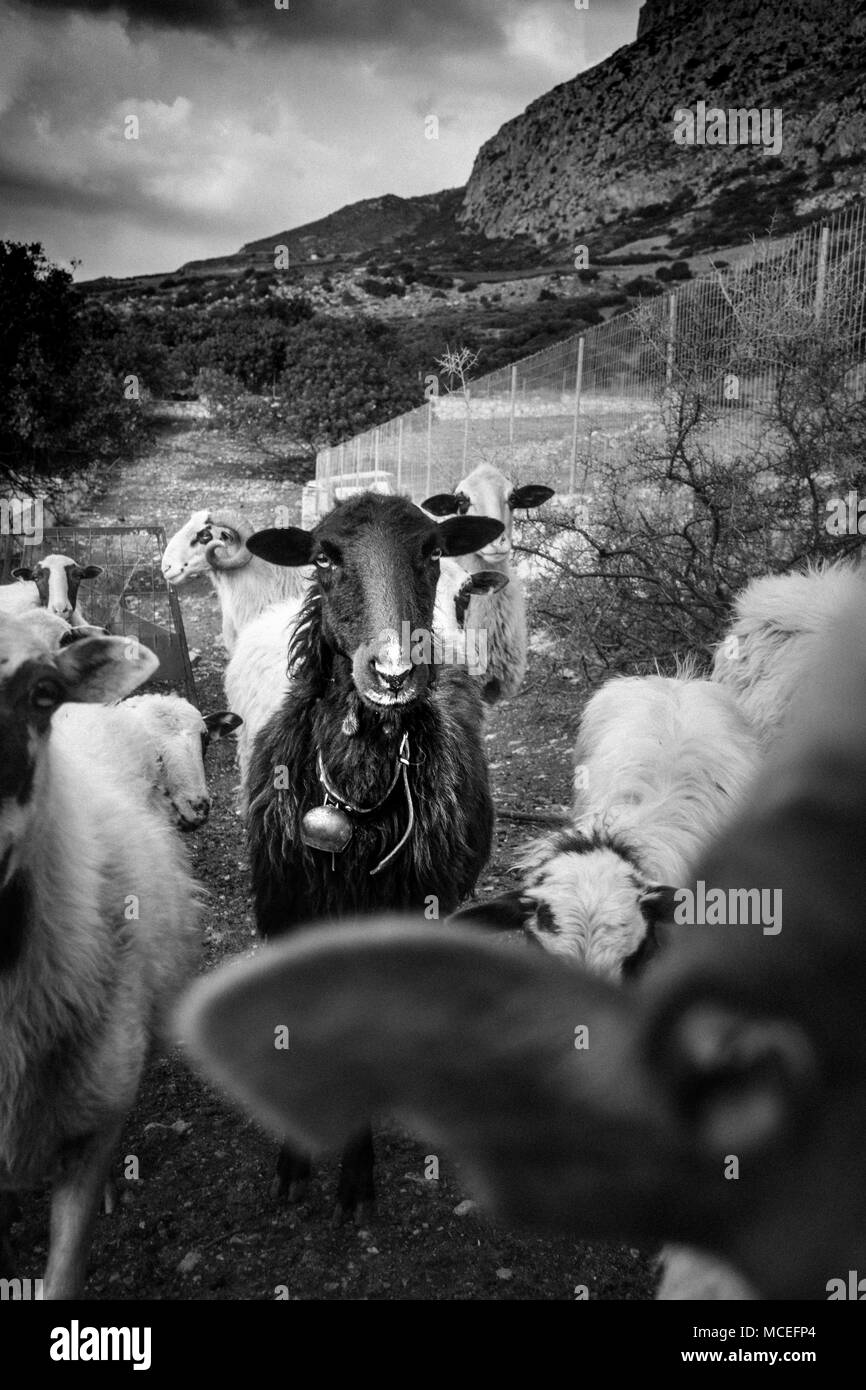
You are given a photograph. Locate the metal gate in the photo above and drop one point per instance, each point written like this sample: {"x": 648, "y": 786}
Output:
{"x": 130, "y": 597}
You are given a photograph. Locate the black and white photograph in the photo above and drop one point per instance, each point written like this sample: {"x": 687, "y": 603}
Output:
{"x": 432, "y": 664}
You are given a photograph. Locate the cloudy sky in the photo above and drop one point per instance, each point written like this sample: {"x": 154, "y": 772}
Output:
{"x": 252, "y": 118}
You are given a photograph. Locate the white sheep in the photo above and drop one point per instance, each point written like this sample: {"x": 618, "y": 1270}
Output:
{"x": 158, "y": 741}
{"x": 244, "y": 584}
{"x": 55, "y": 632}
{"x": 661, "y": 763}
{"x": 258, "y": 674}
{"x": 257, "y": 677}
{"x": 99, "y": 930}
{"x": 779, "y": 620}
{"x": 501, "y": 615}
{"x": 51, "y": 583}
{"x": 578, "y": 1106}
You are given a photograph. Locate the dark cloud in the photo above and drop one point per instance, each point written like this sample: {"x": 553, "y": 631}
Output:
{"x": 120, "y": 199}
{"x": 427, "y": 23}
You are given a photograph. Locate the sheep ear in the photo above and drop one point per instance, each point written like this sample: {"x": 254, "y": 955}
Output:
{"x": 508, "y": 912}
{"x": 101, "y": 669}
{"x": 221, "y": 723}
{"x": 532, "y": 495}
{"x": 470, "y": 1044}
{"x": 23, "y": 572}
{"x": 443, "y": 504}
{"x": 465, "y": 534}
{"x": 657, "y": 902}
{"x": 89, "y": 571}
{"x": 484, "y": 582}
{"x": 283, "y": 545}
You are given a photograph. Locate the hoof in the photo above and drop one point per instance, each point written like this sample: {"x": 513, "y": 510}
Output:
{"x": 298, "y": 1190}
{"x": 365, "y": 1213}
{"x": 278, "y": 1190}
{"x": 361, "y": 1214}
{"x": 291, "y": 1190}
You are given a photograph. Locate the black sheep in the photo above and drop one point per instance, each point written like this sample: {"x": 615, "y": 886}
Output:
{"x": 393, "y": 740}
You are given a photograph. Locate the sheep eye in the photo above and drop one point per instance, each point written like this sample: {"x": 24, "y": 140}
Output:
{"x": 204, "y": 537}
{"x": 46, "y": 694}
{"x": 435, "y": 555}
{"x": 323, "y": 561}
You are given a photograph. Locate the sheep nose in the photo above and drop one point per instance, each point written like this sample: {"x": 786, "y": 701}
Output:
{"x": 390, "y": 678}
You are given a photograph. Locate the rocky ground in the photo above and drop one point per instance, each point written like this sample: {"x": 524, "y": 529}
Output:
{"x": 198, "y": 1223}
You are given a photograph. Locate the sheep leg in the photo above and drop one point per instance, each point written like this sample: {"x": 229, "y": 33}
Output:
{"x": 9, "y": 1212}
{"x": 75, "y": 1202}
{"x": 356, "y": 1192}
{"x": 292, "y": 1177}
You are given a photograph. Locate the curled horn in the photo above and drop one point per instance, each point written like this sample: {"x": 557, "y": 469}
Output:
{"x": 241, "y": 557}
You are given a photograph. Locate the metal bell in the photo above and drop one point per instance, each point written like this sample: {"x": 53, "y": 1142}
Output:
{"x": 326, "y": 828}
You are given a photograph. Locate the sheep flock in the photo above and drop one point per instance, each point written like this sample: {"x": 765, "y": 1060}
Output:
{"x": 692, "y": 906}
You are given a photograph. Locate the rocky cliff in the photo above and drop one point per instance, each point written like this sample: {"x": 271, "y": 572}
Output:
{"x": 600, "y": 149}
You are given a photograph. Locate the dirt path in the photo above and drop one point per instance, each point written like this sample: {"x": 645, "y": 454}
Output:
{"x": 197, "y": 1222}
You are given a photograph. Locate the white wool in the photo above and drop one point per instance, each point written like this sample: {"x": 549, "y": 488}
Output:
{"x": 593, "y": 902}
{"x": 665, "y": 760}
{"x": 19, "y": 596}
{"x": 661, "y": 764}
{"x": 502, "y": 616}
{"x": 91, "y": 981}
{"x": 156, "y": 743}
{"x": 779, "y": 621}
{"x": 50, "y": 628}
{"x": 100, "y": 891}
{"x": 694, "y": 1276}
{"x": 256, "y": 678}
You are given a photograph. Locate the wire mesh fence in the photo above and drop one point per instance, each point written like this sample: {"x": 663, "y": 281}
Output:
{"x": 129, "y": 598}
{"x": 547, "y": 417}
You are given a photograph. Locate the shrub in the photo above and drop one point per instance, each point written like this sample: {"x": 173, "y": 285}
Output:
{"x": 383, "y": 289}
{"x": 679, "y": 518}
{"x": 643, "y": 285}
{"x": 62, "y": 404}
{"x": 343, "y": 376}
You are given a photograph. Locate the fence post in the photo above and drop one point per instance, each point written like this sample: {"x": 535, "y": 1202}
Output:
{"x": 821, "y": 283}
{"x": 511, "y": 408}
{"x": 400, "y": 453}
{"x": 428, "y": 488}
{"x": 376, "y": 449}
{"x": 672, "y": 328}
{"x": 578, "y": 386}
